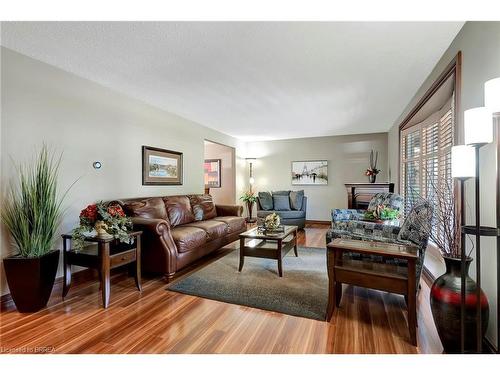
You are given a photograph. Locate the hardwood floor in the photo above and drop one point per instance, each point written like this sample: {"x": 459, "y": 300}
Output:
{"x": 160, "y": 321}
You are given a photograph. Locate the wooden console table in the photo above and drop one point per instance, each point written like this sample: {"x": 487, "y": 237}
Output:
{"x": 370, "y": 274}
{"x": 108, "y": 254}
{"x": 359, "y": 194}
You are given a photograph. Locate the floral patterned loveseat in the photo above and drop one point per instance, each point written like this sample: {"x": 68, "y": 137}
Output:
{"x": 348, "y": 223}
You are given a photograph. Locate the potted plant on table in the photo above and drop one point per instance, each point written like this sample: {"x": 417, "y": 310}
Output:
{"x": 32, "y": 213}
{"x": 249, "y": 198}
{"x": 445, "y": 296}
{"x": 382, "y": 214}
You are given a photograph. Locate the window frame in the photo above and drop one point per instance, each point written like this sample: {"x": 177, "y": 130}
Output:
{"x": 454, "y": 68}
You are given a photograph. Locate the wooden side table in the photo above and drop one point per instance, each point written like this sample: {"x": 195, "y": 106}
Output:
{"x": 374, "y": 275}
{"x": 108, "y": 254}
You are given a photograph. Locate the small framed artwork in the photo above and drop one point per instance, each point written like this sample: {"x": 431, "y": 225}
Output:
{"x": 212, "y": 173}
{"x": 161, "y": 167}
{"x": 310, "y": 172}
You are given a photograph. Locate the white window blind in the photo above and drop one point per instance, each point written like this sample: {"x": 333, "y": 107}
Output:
{"x": 426, "y": 157}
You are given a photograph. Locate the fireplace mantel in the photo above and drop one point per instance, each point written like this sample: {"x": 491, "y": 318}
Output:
{"x": 359, "y": 194}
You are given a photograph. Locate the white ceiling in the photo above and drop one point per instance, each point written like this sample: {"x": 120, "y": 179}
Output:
{"x": 251, "y": 80}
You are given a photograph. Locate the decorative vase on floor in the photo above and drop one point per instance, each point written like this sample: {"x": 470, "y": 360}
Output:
{"x": 445, "y": 306}
{"x": 31, "y": 280}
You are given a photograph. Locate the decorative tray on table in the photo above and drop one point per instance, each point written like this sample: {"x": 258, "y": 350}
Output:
{"x": 263, "y": 229}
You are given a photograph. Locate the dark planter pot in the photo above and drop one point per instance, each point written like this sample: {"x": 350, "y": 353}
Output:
{"x": 372, "y": 178}
{"x": 250, "y": 219}
{"x": 31, "y": 280}
{"x": 445, "y": 306}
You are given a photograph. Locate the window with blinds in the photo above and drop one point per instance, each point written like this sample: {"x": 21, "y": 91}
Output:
{"x": 426, "y": 157}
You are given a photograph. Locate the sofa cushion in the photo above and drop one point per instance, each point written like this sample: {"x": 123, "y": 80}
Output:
{"x": 265, "y": 200}
{"x": 149, "y": 208}
{"x": 296, "y": 198}
{"x": 283, "y": 214}
{"x": 281, "y": 192}
{"x": 203, "y": 207}
{"x": 281, "y": 203}
{"x": 179, "y": 210}
{"x": 188, "y": 238}
{"x": 234, "y": 223}
{"x": 214, "y": 229}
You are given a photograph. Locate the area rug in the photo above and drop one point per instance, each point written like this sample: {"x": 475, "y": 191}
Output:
{"x": 302, "y": 291}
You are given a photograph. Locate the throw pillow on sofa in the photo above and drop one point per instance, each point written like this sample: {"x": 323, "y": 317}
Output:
{"x": 417, "y": 224}
{"x": 281, "y": 192}
{"x": 281, "y": 202}
{"x": 149, "y": 208}
{"x": 203, "y": 207}
{"x": 265, "y": 200}
{"x": 296, "y": 198}
{"x": 179, "y": 209}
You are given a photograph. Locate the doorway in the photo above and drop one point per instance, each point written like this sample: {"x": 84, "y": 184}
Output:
{"x": 220, "y": 172}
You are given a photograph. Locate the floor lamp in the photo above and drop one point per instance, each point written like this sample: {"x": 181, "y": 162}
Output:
{"x": 492, "y": 102}
{"x": 251, "y": 181}
{"x": 463, "y": 167}
{"x": 478, "y": 131}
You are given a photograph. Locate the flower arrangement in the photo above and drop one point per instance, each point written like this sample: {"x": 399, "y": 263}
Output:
{"x": 382, "y": 212}
{"x": 107, "y": 221}
{"x": 272, "y": 221}
{"x": 372, "y": 172}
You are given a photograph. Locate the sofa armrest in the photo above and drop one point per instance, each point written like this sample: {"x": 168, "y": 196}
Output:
{"x": 304, "y": 205}
{"x": 157, "y": 226}
{"x": 159, "y": 251}
{"x": 229, "y": 210}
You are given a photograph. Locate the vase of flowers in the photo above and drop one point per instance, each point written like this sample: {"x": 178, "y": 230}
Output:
{"x": 272, "y": 221}
{"x": 106, "y": 221}
{"x": 249, "y": 198}
{"x": 372, "y": 172}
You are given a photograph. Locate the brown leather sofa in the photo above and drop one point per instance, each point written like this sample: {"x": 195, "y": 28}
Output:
{"x": 181, "y": 229}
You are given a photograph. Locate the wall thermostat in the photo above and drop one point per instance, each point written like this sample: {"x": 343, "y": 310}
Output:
{"x": 97, "y": 165}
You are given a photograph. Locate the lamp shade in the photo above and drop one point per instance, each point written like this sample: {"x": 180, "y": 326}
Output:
{"x": 478, "y": 126}
{"x": 492, "y": 95}
{"x": 463, "y": 161}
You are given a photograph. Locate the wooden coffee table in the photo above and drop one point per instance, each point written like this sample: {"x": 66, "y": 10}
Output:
{"x": 369, "y": 274}
{"x": 269, "y": 245}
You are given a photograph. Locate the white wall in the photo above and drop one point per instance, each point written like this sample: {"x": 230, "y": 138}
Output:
{"x": 480, "y": 46}
{"x": 226, "y": 194}
{"x": 347, "y": 156}
{"x": 88, "y": 122}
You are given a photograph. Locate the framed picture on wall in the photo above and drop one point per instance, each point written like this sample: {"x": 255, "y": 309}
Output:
{"x": 161, "y": 167}
{"x": 212, "y": 173}
{"x": 310, "y": 172}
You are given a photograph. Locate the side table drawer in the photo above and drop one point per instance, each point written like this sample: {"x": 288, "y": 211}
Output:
{"x": 120, "y": 259}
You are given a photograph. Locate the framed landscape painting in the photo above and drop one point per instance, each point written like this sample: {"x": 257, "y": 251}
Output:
{"x": 212, "y": 173}
{"x": 161, "y": 167}
{"x": 310, "y": 172}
